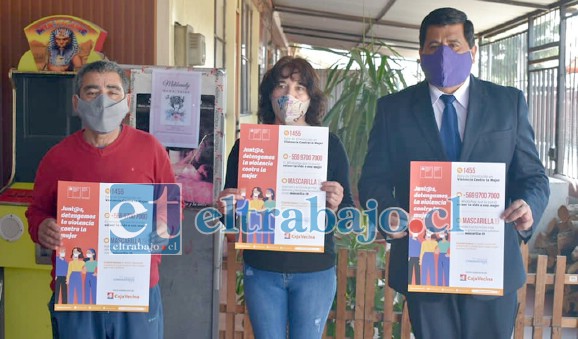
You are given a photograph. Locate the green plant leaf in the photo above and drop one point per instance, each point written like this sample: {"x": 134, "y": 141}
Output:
{"x": 366, "y": 77}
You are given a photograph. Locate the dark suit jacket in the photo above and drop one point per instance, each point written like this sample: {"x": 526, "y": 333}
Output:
{"x": 497, "y": 130}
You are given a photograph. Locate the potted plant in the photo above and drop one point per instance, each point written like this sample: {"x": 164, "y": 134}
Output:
{"x": 367, "y": 76}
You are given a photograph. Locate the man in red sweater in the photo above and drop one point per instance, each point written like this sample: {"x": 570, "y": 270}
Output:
{"x": 104, "y": 151}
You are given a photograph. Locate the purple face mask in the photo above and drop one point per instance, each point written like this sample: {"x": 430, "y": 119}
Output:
{"x": 446, "y": 68}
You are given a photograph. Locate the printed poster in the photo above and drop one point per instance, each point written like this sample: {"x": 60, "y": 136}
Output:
{"x": 281, "y": 169}
{"x": 456, "y": 235}
{"x": 175, "y": 107}
{"x": 193, "y": 167}
{"x": 109, "y": 232}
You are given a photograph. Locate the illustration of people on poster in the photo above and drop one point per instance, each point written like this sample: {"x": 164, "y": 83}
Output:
{"x": 428, "y": 256}
{"x": 75, "y": 276}
{"x": 281, "y": 168}
{"x": 456, "y": 235}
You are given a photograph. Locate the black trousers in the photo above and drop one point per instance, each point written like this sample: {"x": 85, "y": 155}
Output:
{"x": 413, "y": 266}
{"x": 461, "y": 316}
{"x": 60, "y": 286}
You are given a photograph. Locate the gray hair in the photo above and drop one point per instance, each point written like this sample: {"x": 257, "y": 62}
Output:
{"x": 101, "y": 66}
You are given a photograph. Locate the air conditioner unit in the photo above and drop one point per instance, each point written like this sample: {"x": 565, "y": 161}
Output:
{"x": 189, "y": 47}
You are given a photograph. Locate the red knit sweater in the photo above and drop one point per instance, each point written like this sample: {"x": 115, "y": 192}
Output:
{"x": 134, "y": 157}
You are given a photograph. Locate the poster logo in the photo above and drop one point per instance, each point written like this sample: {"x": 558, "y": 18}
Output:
{"x": 144, "y": 219}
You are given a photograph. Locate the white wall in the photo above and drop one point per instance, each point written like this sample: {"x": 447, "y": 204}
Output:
{"x": 200, "y": 14}
{"x": 164, "y": 33}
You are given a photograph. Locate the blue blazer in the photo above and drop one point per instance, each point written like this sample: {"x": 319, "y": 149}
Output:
{"x": 497, "y": 130}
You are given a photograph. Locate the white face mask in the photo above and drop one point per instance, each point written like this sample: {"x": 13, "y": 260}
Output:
{"x": 89, "y": 255}
{"x": 289, "y": 109}
{"x": 102, "y": 115}
{"x": 75, "y": 255}
{"x": 62, "y": 254}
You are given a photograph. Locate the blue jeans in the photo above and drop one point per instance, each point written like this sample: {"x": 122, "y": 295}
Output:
{"x": 294, "y": 303}
{"x": 90, "y": 288}
{"x": 75, "y": 288}
{"x": 110, "y": 325}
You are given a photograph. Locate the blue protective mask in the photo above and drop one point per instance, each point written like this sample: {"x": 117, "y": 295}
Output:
{"x": 446, "y": 68}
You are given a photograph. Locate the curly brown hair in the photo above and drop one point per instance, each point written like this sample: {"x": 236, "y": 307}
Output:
{"x": 284, "y": 68}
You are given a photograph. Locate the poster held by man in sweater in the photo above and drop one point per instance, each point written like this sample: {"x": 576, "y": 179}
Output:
{"x": 109, "y": 233}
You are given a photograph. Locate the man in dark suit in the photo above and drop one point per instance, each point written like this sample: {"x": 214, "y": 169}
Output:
{"x": 490, "y": 124}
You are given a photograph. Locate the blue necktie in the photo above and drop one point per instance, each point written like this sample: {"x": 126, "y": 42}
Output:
{"x": 449, "y": 132}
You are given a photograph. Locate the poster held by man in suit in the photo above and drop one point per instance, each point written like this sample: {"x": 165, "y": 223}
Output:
{"x": 485, "y": 123}
{"x": 461, "y": 201}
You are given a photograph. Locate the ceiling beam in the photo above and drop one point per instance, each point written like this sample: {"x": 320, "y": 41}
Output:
{"x": 380, "y": 15}
{"x": 304, "y": 30}
{"x": 508, "y": 24}
{"x": 518, "y": 3}
{"x": 311, "y": 35}
{"x": 353, "y": 38}
{"x": 523, "y": 18}
{"x": 338, "y": 16}
{"x": 348, "y": 40}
